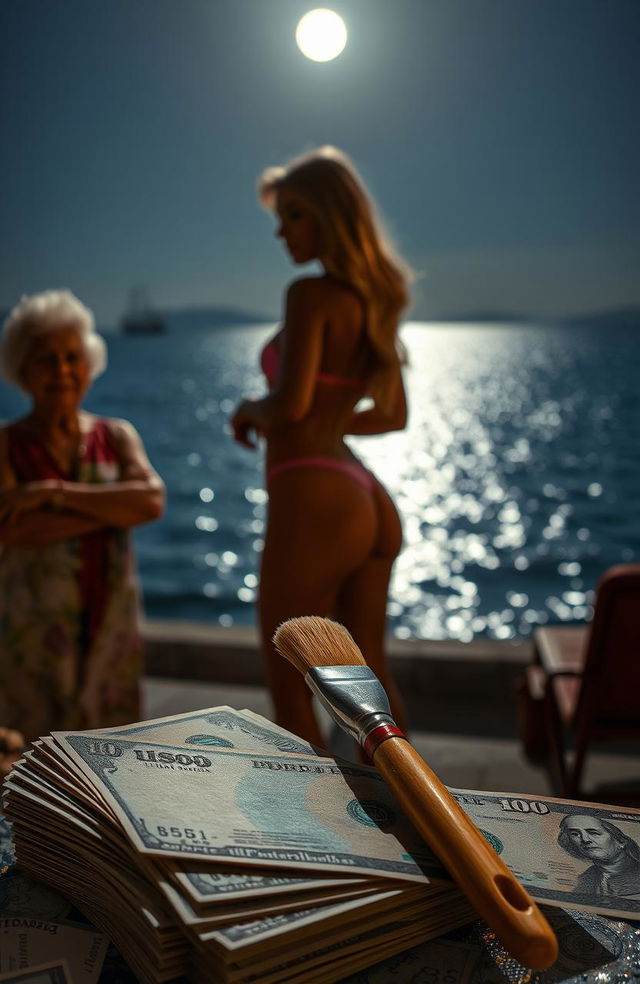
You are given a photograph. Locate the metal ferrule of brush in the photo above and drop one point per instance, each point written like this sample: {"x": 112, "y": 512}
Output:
{"x": 353, "y": 696}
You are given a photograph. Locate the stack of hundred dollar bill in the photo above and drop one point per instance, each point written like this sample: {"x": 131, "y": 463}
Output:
{"x": 216, "y": 847}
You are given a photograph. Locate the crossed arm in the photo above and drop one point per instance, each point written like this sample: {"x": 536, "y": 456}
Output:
{"x": 47, "y": 511}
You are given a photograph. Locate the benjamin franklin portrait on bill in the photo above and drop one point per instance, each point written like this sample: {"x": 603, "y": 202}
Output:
{"x": 615, "y": 857}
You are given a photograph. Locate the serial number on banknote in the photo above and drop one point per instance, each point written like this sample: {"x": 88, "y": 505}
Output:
{"x": 182, "y": 833}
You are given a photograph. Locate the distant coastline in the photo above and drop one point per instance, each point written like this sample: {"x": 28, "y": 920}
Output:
{"x": 624, "y": 317}
{"x": 224, "y": 316}
{"x": 219, "y": 316}
{"x": 215, "y": 316}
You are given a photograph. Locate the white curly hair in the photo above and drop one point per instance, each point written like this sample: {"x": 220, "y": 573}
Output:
{"x": 47, "y": 311}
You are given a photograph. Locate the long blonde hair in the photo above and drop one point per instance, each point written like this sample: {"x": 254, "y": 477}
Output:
{"x": 355, "y": 249}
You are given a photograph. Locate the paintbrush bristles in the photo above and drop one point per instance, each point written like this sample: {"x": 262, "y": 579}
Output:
{"x": 313, "y": 641}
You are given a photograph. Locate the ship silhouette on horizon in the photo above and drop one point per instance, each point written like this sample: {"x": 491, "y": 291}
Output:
{"x": 140, "y": 317}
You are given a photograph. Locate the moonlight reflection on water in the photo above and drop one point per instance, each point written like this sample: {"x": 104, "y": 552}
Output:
{"x": 494, "y": 479}
{"x": 509, "y": 477}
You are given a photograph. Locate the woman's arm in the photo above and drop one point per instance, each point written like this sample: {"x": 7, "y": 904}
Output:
{"x": 375, "y": 420}
{"x": 137, "y": 497}
{"x": 41, "y": 527}
{"x": 51, "y": 510}
{"x": 300, "y": 354}
{"x": 14, "y": 531}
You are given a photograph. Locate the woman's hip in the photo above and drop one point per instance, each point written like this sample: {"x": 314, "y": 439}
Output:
{"x": 312, "y": 464}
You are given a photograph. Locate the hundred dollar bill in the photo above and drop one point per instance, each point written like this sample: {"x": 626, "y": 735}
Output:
{"x": 208, "y": 885}
{"x": 21, "y": 895}
{"x": 471, "y": 959}
{"x": 285, "y": 811}
{"x": 360, "y": 912}
{"x": 56, "y": 972}
{"x": 252, "y": 907}
{"x": 218, "y": 727}
{"x": 265, "y": 927}
{"x": 28, "y": 942}
{"x": 276, "y": 949}
{"x": 301, "y": 811}
{"x": 434, "y": 962}
{"x": 568, "y": 853}
{"x": 226, "y": 727}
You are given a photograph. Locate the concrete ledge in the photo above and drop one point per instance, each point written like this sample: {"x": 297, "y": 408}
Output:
{"x": 464, "y": 688}
{"x": 197, "y": 651}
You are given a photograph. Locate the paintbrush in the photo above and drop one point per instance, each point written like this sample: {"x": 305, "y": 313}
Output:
{"x": 334, "y": 669}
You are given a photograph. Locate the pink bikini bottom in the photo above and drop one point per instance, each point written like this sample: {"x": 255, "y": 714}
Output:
{"x": 359, "y": 472}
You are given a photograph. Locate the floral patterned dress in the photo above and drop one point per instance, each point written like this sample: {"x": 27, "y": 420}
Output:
{"x": 70, "y": 646}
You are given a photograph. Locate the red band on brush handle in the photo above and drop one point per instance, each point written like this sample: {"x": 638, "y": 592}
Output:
{"x": 380, "y": 734}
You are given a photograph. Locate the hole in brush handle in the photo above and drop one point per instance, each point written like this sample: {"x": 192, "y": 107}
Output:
{"x": 513, "y": 893}
{"x": 524, "y": 932}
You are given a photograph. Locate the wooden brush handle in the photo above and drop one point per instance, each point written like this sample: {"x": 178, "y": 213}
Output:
{"x": 488, "y": 884}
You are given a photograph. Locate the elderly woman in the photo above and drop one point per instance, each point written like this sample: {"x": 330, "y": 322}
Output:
{"x": 71, "y": 486}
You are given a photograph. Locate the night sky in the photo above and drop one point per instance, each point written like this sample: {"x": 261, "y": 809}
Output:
{"x": 499, "y": 137}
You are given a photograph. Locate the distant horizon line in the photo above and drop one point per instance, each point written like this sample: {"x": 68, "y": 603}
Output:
{"x": 225, "y": 315}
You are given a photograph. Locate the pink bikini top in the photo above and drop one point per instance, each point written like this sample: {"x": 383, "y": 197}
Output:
{"x": 270, "y": 364}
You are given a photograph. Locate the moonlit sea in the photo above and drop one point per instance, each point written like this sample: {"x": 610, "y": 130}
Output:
{"x": 518, "y": 476}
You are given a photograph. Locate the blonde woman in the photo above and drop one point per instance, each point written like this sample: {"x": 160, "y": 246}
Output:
{"x": 71, "y": 486}
{"x": 333, "y": 532}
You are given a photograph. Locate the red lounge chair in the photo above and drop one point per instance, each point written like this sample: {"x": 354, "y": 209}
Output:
{"x": 589, "y": 681}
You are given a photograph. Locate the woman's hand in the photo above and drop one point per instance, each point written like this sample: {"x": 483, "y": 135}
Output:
{"x": 247, "y": 421}
{"x": 27, "y": 497}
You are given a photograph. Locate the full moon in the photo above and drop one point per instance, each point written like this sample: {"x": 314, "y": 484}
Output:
{"x": 321, "y": 34}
